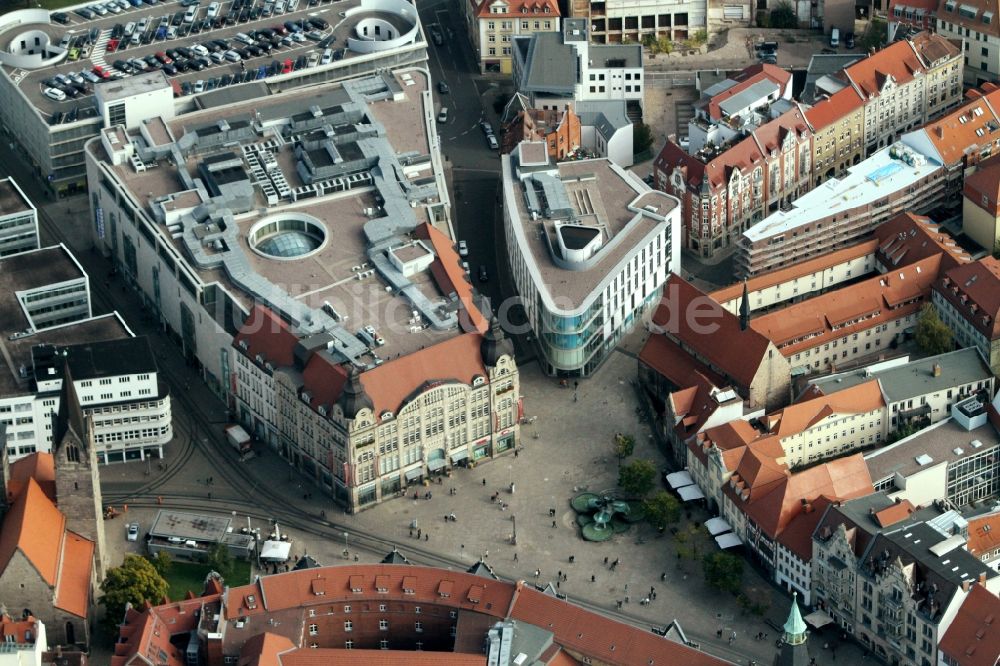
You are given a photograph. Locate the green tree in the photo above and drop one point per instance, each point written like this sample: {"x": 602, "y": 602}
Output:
{"x": 723, "y": 571}
{"x": 783, "y": 17}
{"x": 664, "y": 45}
{"x": 662, "y": 509}
{"x": 220, "y": 560}
{"x": 161, "y": 562}
{"x": 649, "y": 41}
{"x": 624, "y": 446}
{"x": 636, "y": 478}
{"x": 933, "y": 335}
{"x": 642, "y": 138}
{"x": 135, "y": 581}
{"x": 875, "y": 36}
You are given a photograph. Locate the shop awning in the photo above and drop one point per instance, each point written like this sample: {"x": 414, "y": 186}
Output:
{"x": 679, "y": 480}
{"x": 414, "y": 474}
{"x": 818, "y": 619}
{"x": 689, "y": 493}
{"x": 717, "y": 526}
{"x": 435, "y": 465}
{"x": 728, "y": 540}
{"x": 459, "y": 455}
{"x": 275, "y": 551}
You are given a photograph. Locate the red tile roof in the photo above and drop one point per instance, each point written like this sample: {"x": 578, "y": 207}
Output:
{"x": 957, "y": 133}
{"x": 982, "y": 188}
{"x": 21, "y": 631}
{"x": 518, "y": 8}
{"x": 267, "y": 649}
{"x": 329, "y": 657}
{"x": 267, "y": 334}
{"x": 976, "y": 21}
{"x": 680, "y": 368}
{"x": 746, "y": 78}
{"x": 451, "y": 277}
{"x": 973, "y": 639}
{"x": 834, "y": 108}
{"x": 984, "y": 535}
{"x": 457, "y": 359}
{"x": 908, "y": 238}
{"x": 602, "y": 639}
{"x": 795, "y": 418}
{"x": 898, "y": 60}
{"x": 797, "y": 536}
{"x": 975, "y": 284}
{"x": 37, "y": 466}
{"x": 688, "y": 315}
{"x": 803, "y": 269}
{"x": 145, "y": 634}
{"x": 75, "y": 568}
{"x": 894, "y": 513}
{"x": 873, "y": 301}
{"x": 324, "y": 380}
{"x": 35, "y": 527}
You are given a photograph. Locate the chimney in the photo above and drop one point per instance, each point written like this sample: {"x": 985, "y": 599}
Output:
{"x": 966, "y": 584}
{"x": 982, "y": 578}
{"x": 937, "y": 370}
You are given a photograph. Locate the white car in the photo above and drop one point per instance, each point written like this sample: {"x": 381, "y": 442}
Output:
{"x": 199, "y": 86}
{"x": 213, "y": 10}
{"x": 113, "y": 8}
{"x": 191, "y": 14}
{"x": 200, "y": 50}
{"x": 56, "y": 94}
{"x": 133, "y": 531}
{"x": 463, "y": 249}
{"x": 443, "y": 115}
{"x": 100, "y": 10}
{"x": 298, "y": 37}
{"x": 327, "y": 57}
{"x": 217, "y": 56}
{"x": 233, "y": 56}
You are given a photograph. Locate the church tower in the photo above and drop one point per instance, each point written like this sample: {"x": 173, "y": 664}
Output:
{"x": 78, "y": 487}
{"x": 794, "y": 651}
{"x": 745, "y": 308}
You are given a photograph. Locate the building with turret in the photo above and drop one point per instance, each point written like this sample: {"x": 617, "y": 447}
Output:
{"x": 794, "y": 651}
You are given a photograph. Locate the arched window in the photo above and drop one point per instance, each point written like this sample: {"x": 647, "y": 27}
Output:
{"x": 72, "y": 453}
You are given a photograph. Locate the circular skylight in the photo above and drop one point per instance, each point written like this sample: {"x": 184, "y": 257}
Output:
{"x": 288, "y": 236}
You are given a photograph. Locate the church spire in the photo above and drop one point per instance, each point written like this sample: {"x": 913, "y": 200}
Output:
{"x": 745, "y": 308}
{"x": 793, "y": 648}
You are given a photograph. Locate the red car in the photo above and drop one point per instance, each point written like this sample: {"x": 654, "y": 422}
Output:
{"x": 280, "y": 29}
{"x": 164, "y": 58}
{"x": 112, "y": 45}
{"x": 288, "y": 66}
{"x": 101, "y": 72}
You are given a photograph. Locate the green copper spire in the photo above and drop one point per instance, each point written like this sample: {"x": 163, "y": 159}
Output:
{"x": 795, "y": 627}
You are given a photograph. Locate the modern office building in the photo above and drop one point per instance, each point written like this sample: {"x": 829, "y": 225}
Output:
{"x": 371, "y": 35}
{"x": 590, "y": 247}
{"x": 18, "y": 220}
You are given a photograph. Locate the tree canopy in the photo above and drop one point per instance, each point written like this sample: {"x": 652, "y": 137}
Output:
{"x": 135, "y": 581}
{"x": 723, "y": 571}
{"x": 636, "y": 478}
{"x": 662, "y": 509}
{"x": 933, "y": 335}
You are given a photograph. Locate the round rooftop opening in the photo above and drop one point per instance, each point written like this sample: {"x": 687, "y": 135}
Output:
{"x": 287, "y": 236}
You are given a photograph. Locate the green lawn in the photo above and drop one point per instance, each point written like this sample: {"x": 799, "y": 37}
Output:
{"x": 186, "y": 576}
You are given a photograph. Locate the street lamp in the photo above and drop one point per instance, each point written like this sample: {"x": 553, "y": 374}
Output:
{"x": 346, "y": 552}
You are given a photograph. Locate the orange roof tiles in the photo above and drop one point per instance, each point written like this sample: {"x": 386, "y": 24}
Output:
{"x": 451, "y": 277}
{"x": 799, "y": 270}
{"x": 976, "y": 21}
{"x": 932, "y": 47}
{"x": 973, "y": 639}
{"x": 266, "y": 649}
{"x": 680, "y": 368}
{"x": 601, "y": 638}
{"x": 908, "y": 238}
{"x": 33, "y": 526}
{"x": 982, "y": 188}
{"x": 699, "y": 323}
{"x": 834, "y": 108}
{"x": 37, "y": 466}
{"x": 795, "y": 418}
{"x": 328, "y": 657}
{"x": 897, "y": 60}
{"x": 323, "y": 379}
{"x": 267, "y": 334}
{"x": 519, "y": 8}
{"x": 957, "y": 133}
{"x": 812, "y": 322}
{"x": 19, "y": 630}
{"x": 984, "y": 534}
{"x": 746, "y": 78}
{"x": 76, "y": 566}
{"x": 390, "y": 384}
{"x": 797, "y": 536}
{"x": 976, "y": 283}
{"x": 894, "y": 513}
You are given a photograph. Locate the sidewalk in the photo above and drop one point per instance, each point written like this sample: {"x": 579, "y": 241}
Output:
{"x": 728, "y": 50}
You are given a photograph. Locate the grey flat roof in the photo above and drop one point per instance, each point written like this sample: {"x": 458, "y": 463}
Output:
{"x": 132, "y": 85}
{"x": 110, "y": 358}
{"x": 193, "y": 526}
{"x": 550, "y": 65}
{"x": 915, "y": 378}
{"x": 17, "y": 352}
{"x": 11, "y": 199}
{"x": 938, "y": 441}
{"x": 31, "y": 270}
{"x": 745, "y": 98}
{"x": 629, "y": 55}
{"x": 607, "y": 115}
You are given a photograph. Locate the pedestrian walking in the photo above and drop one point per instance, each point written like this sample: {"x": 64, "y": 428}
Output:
{"x": 538, "y": 572}
{"x": 626, "y": 598}
{"x": 559, "y": 575}
{"x": 593, "y": 578}
{"x": 619, "y": 604}
{"x": 663, "y": 576}
{"x": 427, "y": 537}
{"x": 515, "y": 556}
{"x": 419, "y": 533}
{"x": 626, "y": 587}
{"x": 411, "y": 532}
{"x": 605, "y": 561}
{"x": 516, "y": 451}
{"x": 553, "y": 523}
{"x": 484, "y": 482}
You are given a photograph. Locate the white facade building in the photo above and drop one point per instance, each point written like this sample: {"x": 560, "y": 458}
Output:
{"x": 590, "y": 247}
{"x": 18, "y": 220}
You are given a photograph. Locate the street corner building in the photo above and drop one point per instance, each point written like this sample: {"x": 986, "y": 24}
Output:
{"x": 301, "y": 254}
{"x": 590, "y": 247}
